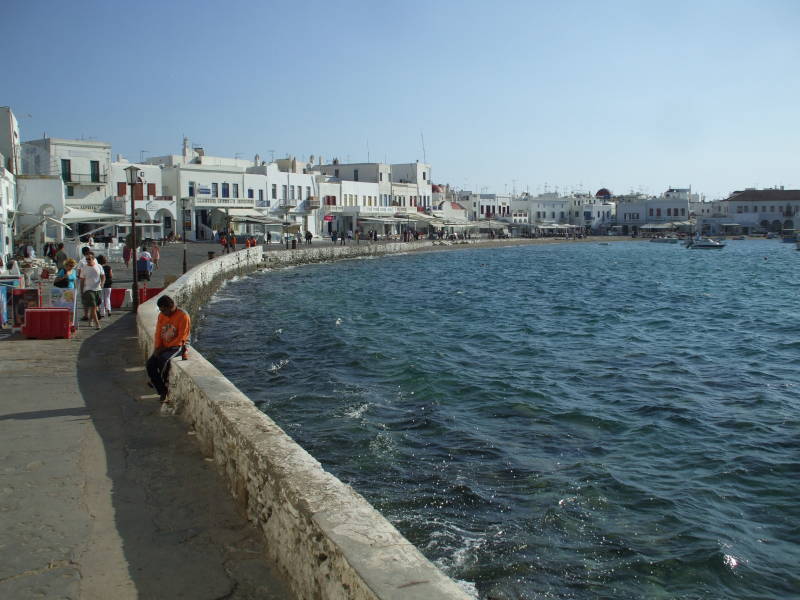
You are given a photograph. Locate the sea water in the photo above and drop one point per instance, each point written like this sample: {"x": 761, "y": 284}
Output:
{"x": 569, "y": 421}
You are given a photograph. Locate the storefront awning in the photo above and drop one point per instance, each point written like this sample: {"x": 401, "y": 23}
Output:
{"x": 242, "y": 215}
{"x": 79, "y": 215}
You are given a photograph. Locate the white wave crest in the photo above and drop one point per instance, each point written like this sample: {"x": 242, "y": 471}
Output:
{"x": 278, "y": 365}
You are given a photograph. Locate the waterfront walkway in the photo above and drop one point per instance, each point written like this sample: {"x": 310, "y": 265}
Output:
{"x": 100, "y": 496}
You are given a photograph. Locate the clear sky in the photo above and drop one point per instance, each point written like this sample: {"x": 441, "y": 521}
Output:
{"x": 508, "y": 95}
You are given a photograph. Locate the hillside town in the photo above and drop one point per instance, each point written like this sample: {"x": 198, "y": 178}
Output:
{"x": 53, "y": 189}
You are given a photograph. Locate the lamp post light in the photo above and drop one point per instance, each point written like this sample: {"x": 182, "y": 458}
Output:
{"x": 134, "y": 176}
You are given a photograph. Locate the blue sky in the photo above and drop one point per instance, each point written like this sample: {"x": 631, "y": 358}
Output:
{"x": 508, "y": 95}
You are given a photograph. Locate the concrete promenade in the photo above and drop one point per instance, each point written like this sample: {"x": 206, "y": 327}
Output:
{"x": 100, "y": 496}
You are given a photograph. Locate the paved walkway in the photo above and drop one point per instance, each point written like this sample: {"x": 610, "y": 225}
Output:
{"x": 101, "y": 497}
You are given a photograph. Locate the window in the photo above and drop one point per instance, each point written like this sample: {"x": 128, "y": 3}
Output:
{"x": 94, "y": 166}
{"x": 336, "y": 172}
{"x": 250, "y": 193}
{"x": 423, "y": 176}
{"x": 215, "y": 190}
{"x": 274, "y": 191}
{"x": 151, "y": 189}
{"x": 380, "y": 176}
{"x": 260, "y": 195}
{"x": 308, "y": 191}
{"x": 683, "y": 211}
{"x": 291, "y": 192}
{"x": 284, "y": 192}
{"x": 66, "y": 170}
{"x": 122, "y": 189}
{"x": 70, "y": 190}
{"x": 658, "y": 212}
{"x": 226, "y": 190}
{"x": 355, "y": 174}
{"x": 235, "y": 190}
{"x": 669, "y": 212}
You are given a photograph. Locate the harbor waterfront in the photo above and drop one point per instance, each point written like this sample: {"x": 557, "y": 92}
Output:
{"x": 575, "y": 420}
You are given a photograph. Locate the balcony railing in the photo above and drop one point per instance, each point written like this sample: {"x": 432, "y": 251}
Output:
{"x": 209, "y": 201}
{"x": 84, "y": 178}
{"x": 121, "y": 204}
{"x": 312, "y": 202}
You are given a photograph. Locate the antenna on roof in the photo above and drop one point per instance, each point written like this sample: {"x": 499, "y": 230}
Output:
{"x": 422, "y": 137}
{"x": 367, "y": 149}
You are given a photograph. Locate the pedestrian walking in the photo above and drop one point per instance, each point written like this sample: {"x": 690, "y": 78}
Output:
{"x": 155, "y": 253}
{"x": 105, "y": 295}
{"x": 223, "y": 241}
{"x": 232, "y": 242}
{"x": 92, "y": 279}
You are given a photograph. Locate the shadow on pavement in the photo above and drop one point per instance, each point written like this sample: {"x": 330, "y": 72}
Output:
{"x": 181, "y": 533}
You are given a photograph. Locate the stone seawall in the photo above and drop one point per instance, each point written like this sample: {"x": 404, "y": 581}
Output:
{"x": 329, "y": 542}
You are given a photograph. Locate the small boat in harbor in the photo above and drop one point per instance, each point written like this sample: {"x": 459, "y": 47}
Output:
{"x": 704, "y": 244}
{"x": 789, "y": 236}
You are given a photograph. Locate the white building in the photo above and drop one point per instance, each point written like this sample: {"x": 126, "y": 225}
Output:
{"x": 83, "y": 165}
{"x": 246, "y": 196}
{"x": 10, "y": 141}
{"x": 753, "y": 211}
{"x": 151, "y": 205}
{"x": 366, "y": 197}
{"x": 8, "y": 208}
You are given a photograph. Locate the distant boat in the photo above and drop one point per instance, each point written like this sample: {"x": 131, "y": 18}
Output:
{"x": 789, "y": 236}
{"x": 704, "y": 244}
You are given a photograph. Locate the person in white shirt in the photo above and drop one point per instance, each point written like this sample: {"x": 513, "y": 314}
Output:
{"x": 92, "y": 279}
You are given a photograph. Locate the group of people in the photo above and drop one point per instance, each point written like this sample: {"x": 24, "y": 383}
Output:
{"x": 92, "y": 275}
{"x": 150, "y": 251}
{"x": 228, "y": 242}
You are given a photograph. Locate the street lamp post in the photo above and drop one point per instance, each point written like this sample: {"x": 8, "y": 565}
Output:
{"x": 133, "y": 176}
{"x": 183, "y": 234}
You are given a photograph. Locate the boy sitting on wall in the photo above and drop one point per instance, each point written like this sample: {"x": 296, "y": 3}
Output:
{"x": 171, "y": 336}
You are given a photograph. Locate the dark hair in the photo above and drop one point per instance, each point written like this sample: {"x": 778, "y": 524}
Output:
{"x": 165, "y": 302}
{"x": 101, "y": 259}
{"x": 85, "y": 250}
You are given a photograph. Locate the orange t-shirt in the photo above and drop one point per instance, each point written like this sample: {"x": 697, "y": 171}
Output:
{"x": 172, "y": 330}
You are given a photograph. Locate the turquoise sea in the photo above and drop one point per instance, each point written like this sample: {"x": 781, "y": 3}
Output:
{"x": 566, "y": 421}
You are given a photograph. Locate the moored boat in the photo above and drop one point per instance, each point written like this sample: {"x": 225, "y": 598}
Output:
{"x": 704, "y": 244}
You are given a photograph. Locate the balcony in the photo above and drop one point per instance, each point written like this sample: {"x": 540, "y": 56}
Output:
{"x": 312, "y": 202}
{"x": 121, "y": 204}
{"x": 84, "y": 178}
{"x": 203, "y": 201}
